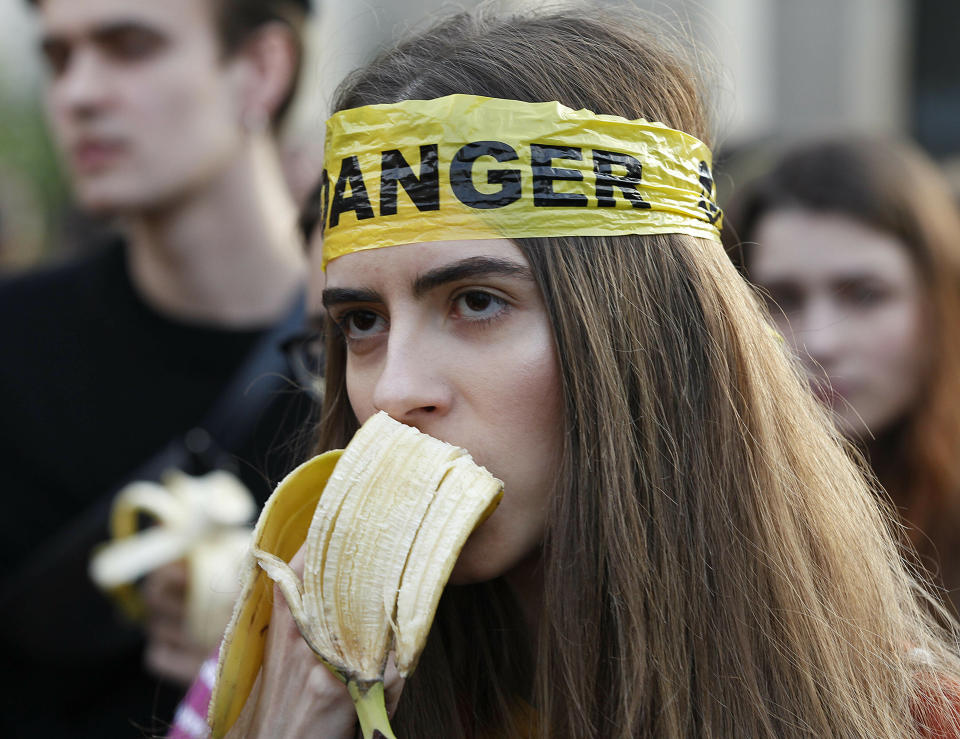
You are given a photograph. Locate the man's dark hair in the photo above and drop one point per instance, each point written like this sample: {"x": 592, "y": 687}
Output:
{"x": 237, "y": 20}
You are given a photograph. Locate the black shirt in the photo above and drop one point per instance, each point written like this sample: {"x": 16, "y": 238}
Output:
{"x": 93, "y": 382}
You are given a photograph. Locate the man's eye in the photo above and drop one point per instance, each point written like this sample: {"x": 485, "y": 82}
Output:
{"x": 132, "y": 44}
{"x": 57, "y": 57}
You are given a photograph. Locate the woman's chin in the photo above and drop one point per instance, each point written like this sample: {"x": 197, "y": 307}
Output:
{"x": 470, "y": 569}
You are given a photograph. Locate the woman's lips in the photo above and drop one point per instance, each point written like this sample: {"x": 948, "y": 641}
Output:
{"x": 94, "y": 155}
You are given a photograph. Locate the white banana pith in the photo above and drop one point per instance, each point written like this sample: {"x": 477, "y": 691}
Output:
{"x": 396, "y": 508}
{"x": 204, "y": 520}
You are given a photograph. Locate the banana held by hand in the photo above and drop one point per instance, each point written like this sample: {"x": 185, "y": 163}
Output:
{"x": 202, "y": 519}
{"x": 396, "y": 508}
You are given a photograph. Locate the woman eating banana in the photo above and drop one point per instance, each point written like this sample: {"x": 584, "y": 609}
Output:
{"x": 517, "y": 245}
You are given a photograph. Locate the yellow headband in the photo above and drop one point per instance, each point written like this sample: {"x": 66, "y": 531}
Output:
{"x": 472, "y": 167}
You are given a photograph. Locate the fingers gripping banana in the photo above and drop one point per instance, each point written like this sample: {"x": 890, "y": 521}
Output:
{"x": 396, "y": 508}
{"x": 203, "y": 519}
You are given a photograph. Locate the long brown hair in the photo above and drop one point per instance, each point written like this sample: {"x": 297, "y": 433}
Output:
{"x": 713, "y": 562}
{"x": 894, "y": 188}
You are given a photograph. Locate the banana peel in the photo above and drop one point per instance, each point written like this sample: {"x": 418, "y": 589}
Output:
{"x": 280, "y": 530}
{"x": 383, "y": 523}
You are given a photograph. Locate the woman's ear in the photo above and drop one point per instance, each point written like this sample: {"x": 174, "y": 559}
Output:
{"x": 269, "y": 58}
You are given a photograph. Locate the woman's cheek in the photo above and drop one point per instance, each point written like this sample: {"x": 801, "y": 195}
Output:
{"x": 513, "y": 532}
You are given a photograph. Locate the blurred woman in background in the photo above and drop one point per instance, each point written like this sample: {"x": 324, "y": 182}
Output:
{"x": 855, "y": 245}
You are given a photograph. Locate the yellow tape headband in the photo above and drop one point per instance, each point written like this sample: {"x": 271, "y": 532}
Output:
{"x": 474, "y": 167}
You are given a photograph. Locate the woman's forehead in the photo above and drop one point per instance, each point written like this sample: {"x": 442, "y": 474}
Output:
{"x": 825, "y": 245}
{"x": 406, "y": 261}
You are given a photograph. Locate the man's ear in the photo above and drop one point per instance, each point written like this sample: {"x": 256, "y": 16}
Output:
{"x": 269, "y": 57}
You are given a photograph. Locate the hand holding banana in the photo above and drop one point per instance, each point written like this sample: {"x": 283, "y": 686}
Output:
{"x": 296, "y": 696}
{"x": 382, "y": 524}
{"x": 201, "y": 519}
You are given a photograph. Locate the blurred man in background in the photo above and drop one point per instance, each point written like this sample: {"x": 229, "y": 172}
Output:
{"x": 156, "y": 349}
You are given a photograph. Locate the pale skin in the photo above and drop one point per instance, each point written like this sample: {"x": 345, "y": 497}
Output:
{"x": 453, "y": 338}
{"x": 850, "y": 301}
{"x": 169, "y": 653}
{"x": 157, "y": 128}
{"x": 161, "y": 130}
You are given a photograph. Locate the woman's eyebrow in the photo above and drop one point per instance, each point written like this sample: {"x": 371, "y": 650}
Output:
{"x": 467, "y": 268}
{"x": 338, "y": 295}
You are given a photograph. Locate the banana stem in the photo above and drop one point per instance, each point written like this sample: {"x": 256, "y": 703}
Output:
{"x": 372, "y": 710}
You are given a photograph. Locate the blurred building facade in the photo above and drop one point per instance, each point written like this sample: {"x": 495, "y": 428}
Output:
{"x": 784, "y": 69}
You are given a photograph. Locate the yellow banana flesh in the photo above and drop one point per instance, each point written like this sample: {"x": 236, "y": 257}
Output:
{"x": 381, "y": 542}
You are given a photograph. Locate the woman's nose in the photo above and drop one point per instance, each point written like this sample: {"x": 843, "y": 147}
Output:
{"x": 411, "y": 387}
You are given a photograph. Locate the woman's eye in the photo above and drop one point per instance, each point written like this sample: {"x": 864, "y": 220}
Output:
{"x": 477, "y": 304}
{"x": 782, "y": 299}
{"x": 360, "y": 324}
{"x": 863, "y": 295}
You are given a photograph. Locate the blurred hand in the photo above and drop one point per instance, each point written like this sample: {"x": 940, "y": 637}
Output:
{"x": 170, "y": 653}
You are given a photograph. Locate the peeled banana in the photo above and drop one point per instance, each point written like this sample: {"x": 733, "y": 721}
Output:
{"x": 380, "y": 541}
{"x": 202, "y": 519}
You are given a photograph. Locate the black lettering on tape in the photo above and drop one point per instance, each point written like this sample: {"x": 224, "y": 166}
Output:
{"x": 358, "y": 201}
{"x": 603, "y": 162}
{"x": 711, "y": 209}
{"x": 545, "y": 174}
{"x": 461, "y": 175}
{"x": 424, "y": 190}
{"x": 324, "y": 198}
